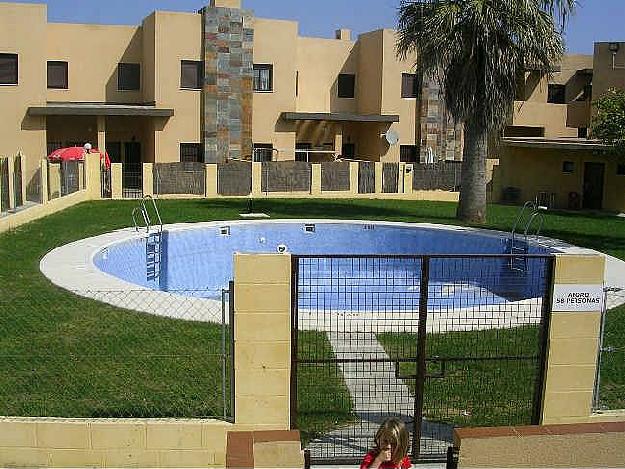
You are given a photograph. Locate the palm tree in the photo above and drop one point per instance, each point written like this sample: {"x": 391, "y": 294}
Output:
{"x": 477, "y": 49}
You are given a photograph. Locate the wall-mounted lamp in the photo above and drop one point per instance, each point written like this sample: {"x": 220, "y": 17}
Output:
{"x": 614, "y": 47}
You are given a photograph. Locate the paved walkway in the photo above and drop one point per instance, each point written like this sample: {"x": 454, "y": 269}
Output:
{"x": 376, "y": 394}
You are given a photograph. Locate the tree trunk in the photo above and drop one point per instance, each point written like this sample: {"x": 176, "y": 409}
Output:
{"x": 472, "y": 205}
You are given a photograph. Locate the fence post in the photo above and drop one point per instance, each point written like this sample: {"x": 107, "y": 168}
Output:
{"x": 379, "y": 174}
{"x": 262, "y": 340}
{"x": 573, "y": 339}
{"x": 315, "y": 186}
{"x": 257, "y": 176}
{"x": 211, "y": 180}
{"x": 408, "y": 178}
{"x": 148, "y": 179}
{"x": 43, "y": 174}
{"x": 353, "y": 177}
{"x": 93, "y": 176}
{"x": 23, "y": 171}
{"x": 116, "y": 180}
{"x": 11, "y": 163}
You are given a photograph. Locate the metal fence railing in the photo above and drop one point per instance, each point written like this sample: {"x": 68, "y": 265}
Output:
{"x": 234, "y": 178}
{"x": 444, "y": 175}
{"x": 335, "y": 176}
{"x": 366, "y": 177}
{"x": 132, "y": 181}
{"x": 17, "y": 182}
{"x": 4, "y": 185}
{"x": 286, "y": 176}
{"x": 390, "y": 178}
{"x": 436, "y": 341}
{"x": 70, "y": 177}
{"x": 98, "y": 354}
{"x": 179, "y": 178}
{"x": 33, "y": 188}
{"x": 610, "y": 379}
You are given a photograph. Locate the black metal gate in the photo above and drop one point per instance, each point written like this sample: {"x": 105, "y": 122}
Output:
{"x": 437, "y": 341}
{"x": 132, "y": 181}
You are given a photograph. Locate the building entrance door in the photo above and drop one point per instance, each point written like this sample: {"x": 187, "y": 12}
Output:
{"x": 593, "y": 185}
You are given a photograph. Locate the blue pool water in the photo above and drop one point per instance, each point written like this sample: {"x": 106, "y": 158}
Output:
{"x": 199, "y": 260}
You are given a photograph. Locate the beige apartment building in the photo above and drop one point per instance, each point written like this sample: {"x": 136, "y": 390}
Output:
{"x": 220, "y": 84}
{"x": 210, "y": 86}
{"x": 547, "y": 153}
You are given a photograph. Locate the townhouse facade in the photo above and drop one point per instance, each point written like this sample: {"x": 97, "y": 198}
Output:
{"x": 220, "y": 84}
{"x": 213, "y": 85}
{"x": 547, "y": 152}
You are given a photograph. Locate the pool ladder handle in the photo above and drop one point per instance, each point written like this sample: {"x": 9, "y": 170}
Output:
{"x": 153, "y": 243}
{"x": 522, "y": 246}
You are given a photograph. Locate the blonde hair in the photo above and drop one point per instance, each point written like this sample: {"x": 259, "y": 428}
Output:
{"x": 393, "y": 432}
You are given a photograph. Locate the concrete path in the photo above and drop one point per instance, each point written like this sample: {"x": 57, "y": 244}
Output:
{"x": 376, "y": 395}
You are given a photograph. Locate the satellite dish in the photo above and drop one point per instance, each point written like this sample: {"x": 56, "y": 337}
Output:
{"x": 392, "y": 137}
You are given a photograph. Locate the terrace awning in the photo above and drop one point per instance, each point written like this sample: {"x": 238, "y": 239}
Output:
{"x": 339, "y": 117}
{"x": 98, "y": 109}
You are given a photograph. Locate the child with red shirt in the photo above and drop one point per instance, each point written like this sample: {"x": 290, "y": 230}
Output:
{"x": 391, "y": 447}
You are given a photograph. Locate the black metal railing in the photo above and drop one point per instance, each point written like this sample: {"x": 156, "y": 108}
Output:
{"x": 70, "y": 177}
{"x": 17, "y": 182}
{"x": 443, "y": 175}
{"x": 390, "y": 178}
{"x": 286, "y": 176}
{"x": 335, "y": 176}
{"x": 366, "y": 177}
{"x": 4, "y": 185}
{"x": 234, "y": 178}
{"x": 437, "y": 341}
{"x": 132, "y": 181}
{"x": 179, "y": 178}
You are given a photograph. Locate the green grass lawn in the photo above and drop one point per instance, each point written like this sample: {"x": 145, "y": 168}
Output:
{"x": 323, "y": 399}
{"x": 70, "y": 356}
{"x": 475, "y": 391}
{"x": 612, "y": 382}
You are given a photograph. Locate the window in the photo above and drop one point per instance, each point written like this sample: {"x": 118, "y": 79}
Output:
{"x": 191, "y": 75}
{"x": 348, "y": 151}
{"x": 556, "y": 94}
{"x": 301, "y": 151}
{"x": 262, "y": 152}
{"x": 568, "y": 167}
{"x": 191, "y": 153}
{"x": 8, "y": 69}
{"x": 620, "y": 169}
{"x": 408, "y": 153}
{"x": 57, "y": 75}
{"x": 263, "y": 77}
{"x": 128, "y": 77}
{"x": 409, "y": 85}
{"x": 347, "y": 84}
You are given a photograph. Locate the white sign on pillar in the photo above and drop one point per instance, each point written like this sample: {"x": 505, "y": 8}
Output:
{"x": 577, "y": 298}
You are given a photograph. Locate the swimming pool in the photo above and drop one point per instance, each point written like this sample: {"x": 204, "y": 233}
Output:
{"x": 199, "y": 258}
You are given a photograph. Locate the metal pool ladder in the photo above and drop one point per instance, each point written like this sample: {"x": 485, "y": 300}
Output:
{"x": 154, "y": 239}
{"x": 530, "y": 213}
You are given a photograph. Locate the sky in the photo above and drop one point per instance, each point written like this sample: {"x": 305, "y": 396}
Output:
{"x": 595, "y": 21}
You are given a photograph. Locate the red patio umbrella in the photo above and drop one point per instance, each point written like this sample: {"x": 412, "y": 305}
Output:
{"x": 76, "y": 153}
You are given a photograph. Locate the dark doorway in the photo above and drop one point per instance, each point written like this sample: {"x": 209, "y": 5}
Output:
{"x": 132, "y": 184}
{"x": 593, "y": 186}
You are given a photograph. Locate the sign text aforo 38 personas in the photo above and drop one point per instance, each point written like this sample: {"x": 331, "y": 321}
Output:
{"x": 577, "y": 298}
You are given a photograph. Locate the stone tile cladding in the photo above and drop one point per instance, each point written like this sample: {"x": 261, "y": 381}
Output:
{"x": 438, "y": 130}
{"x": 227, "y": 37}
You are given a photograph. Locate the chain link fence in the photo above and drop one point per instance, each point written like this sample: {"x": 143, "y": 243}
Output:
{"x": 77, "y": 355}
{"x": 610, "y": 379}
